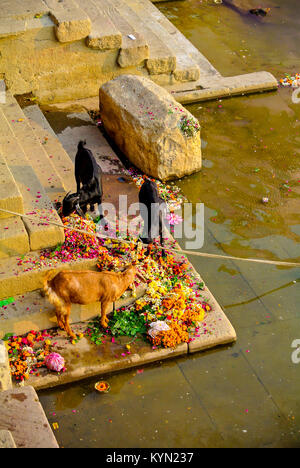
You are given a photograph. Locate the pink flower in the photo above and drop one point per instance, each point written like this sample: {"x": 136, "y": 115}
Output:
{"x": 174, "y": 219}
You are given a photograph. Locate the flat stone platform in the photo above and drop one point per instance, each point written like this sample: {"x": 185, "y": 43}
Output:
{"x": 85, "y": 359}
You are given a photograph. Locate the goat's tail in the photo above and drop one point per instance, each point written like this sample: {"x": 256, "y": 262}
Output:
{"x": 81, "y": 144}
{"x": 53, "y": 298}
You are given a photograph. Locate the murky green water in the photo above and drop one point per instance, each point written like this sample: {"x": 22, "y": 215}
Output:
{"x": 248, "y": 394}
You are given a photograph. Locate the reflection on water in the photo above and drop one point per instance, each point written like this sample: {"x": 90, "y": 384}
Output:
{"x": 247, "y": 394}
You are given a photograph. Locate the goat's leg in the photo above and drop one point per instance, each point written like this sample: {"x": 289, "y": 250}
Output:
{"x": 60, "y": 321}
{"x": 77, "y": 182}
{"x": 161, "y": 234}
{"x": 67, "y": 323}
{"x": 104, "y": 310}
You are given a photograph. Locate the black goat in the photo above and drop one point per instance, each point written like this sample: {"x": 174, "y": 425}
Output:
{"x": 88, "y": 177}
{"x": 151, "y": 214}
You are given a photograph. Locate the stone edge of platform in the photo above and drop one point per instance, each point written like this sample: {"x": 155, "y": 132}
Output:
{"x": 5, "y": 376}
{"x": 226, "y": 87}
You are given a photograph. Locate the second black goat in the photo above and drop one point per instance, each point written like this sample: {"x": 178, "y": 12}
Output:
{"x": 151, "y": 212}
{"x": 88, "y": 175}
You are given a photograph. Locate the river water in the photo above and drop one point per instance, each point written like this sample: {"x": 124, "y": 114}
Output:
{"x": 247, "y": 394}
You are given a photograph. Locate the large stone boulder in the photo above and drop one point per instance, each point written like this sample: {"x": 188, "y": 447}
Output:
{"x": 154, "y": 132}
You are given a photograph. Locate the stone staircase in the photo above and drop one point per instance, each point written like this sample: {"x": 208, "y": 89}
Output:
{"x": 30, "y": 182}
{"x": 95, "y": 39}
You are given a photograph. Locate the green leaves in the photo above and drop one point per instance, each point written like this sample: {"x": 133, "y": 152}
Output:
{"x": 128, "y": 323}
{"x": 6, "y": 302}
{"x": 95, "y": 332}
{"x": 189, "y": 126}
{"x": 7, "y": 336}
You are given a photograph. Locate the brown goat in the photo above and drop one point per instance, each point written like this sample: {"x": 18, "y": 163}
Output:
{"x": 85, "y": 287}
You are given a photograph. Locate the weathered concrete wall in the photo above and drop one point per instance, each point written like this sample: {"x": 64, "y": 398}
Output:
{"x": 5, "y": 377}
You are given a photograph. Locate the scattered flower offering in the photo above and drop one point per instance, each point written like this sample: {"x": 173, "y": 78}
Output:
{"x": 55, "y": 362}
{"x": 28, "y": 353}
{"x": 291, "y": 81}
{"x": 189, "y": 126}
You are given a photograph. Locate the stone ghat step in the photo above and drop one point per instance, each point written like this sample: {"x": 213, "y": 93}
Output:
{"x": 14, "y": 238}
{"x": 206, "y": 68}
{"x": 21, "y": 275}
{"x": 10, "y": 196}
{"x": 35, "y": 201}
{"x": 186, "y": 67}
{"x": 18, "y": 9}
{"x": 135, "y": 49}
{"x": 205, "y": 89}
{"x": 10, "y": 27}
{"x": 32, "y": 148}
{"x": 161, "y": 58}
{"x": 71, "y": 22}
{"x": 54, "y": 149}
{"x": 31, "y": 311}
{"x": 104, "y": 34}
{"x": 22, "y": 414}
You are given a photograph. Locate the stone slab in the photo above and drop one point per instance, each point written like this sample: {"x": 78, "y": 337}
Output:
{"x": 22, "y": 414}
{"x": 85, "y": 359}
{"x": 5, "y": 377}
{"x": 10, "y": 196}
{"x": 31, "y": 311}
{"x": 161, "y": 58}
{"x": 6, "y": 439}
{"x": 14, "y": 27}
{"x": 71, "y": 22}
{"x": 13, "y": 237}
{"x": 104, "y": 35}
{"x": 224, "y": 87}
{"x": 132, "y": 52}
{"x": 18, "y": 9}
